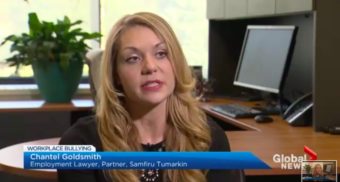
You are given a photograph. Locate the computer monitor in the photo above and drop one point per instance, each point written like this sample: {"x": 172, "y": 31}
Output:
{"x": 264, "y": 58}
{"x": 327, "y": 168}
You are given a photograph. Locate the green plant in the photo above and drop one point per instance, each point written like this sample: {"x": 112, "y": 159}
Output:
{"x": 308, "y": 168}
{"x": 49, "y": 42}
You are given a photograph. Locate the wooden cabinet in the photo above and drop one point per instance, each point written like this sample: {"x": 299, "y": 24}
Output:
{"x": 290, "y": 6}
{"x": 226, "y": 9}
{"x": 215, "y": 9}
{"x": 233, "y": 9}
{"x": 260, "y": 7}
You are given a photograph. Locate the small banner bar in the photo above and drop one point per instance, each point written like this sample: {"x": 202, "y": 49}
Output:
{"x": 142, "y": 160}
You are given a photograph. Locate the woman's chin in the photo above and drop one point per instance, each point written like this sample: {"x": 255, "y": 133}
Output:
{"x": 154, "y": 99}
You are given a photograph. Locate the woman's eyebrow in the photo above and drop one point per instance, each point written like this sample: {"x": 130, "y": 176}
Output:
{"x": 160, "y": 44}
{"x": 130, "y": 48}
{"x": 134, "y": 49}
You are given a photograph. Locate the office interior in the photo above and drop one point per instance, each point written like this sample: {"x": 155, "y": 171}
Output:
{"x": 313, "y": 69}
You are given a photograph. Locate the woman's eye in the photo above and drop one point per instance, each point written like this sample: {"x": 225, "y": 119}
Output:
{"x": 132, "y": 59}
{"x": 161, "y": 54}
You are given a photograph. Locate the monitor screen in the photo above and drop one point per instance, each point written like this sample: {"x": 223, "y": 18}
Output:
{"x": 263, "y": 57}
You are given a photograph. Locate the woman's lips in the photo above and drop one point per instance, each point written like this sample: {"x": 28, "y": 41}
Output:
{"x": 152, "y": 85}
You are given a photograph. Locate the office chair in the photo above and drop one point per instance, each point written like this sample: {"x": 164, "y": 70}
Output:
{"x": 93, "y": 59}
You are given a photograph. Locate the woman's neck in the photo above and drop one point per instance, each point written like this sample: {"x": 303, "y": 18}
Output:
{"x": 150, "y": 121}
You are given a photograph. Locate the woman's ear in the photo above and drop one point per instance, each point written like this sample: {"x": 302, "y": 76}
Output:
{"x": 117, "y": 80}
{"x": 118, "y": 83}
{"x": 119, "y": 87}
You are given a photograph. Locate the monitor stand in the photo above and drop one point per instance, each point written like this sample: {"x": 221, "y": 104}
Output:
{"x": 271, "y": 105}
{"x": 245, "y": 96}
{"x": 269, "y": 109}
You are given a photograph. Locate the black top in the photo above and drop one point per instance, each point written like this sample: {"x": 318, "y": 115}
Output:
{"x": 84, "y": 131}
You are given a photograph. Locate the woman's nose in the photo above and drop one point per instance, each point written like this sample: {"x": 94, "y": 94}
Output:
{"x": 149, "y": 65}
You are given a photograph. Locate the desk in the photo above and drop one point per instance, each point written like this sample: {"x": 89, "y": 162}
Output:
{"x": 11, "y": 160}
{"x": 40, "y": 105}
{"x": 278, "y": 137}
{"x": 264, "y": 140}
{"x": 11, "y": 157}
{"x": 77, "y": 107}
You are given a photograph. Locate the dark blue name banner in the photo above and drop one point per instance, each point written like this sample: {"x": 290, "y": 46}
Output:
{"x": 142, "y": 160}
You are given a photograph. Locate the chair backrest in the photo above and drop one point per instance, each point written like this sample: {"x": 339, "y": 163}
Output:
{"x": 93, "y": 59}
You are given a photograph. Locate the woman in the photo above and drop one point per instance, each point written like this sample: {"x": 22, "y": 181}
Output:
{"x": 318, "y": 172}
{"x": 145, "y": 103}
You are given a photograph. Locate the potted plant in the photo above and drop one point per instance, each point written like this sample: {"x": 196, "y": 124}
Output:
{"x": 308, "y": 169}
{"x": 56, "y": 52}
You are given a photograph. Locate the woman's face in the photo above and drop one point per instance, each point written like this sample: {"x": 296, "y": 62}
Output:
{"x": 318, "y": 169}
{"x": 144, "y": 69}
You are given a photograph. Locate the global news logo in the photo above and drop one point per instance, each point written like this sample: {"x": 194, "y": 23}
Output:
{"x": 311, "y": 169}
{"x": 289, "y": 162}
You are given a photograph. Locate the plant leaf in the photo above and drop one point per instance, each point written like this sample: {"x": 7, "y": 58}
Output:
{"x": 67, "y": 20}
{"x": 77, "y": 22}
{"x": 49, "y": 42}
{"x": 34, "y": 23}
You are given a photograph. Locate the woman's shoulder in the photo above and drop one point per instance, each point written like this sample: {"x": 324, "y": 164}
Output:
{"x": 84, "y": 131}
{"x": 219, "y": 140}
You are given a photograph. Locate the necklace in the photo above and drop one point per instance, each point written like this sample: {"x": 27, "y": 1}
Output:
{"x": 152, "y": 174}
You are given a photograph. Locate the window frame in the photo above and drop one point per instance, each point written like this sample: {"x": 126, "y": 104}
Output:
{"x": 29, "y": 80}
{"x": 25, "y": 86}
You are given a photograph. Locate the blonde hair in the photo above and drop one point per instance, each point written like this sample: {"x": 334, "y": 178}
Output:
{"x": 317, "y": 173}
{"x": 188, "y": 129}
